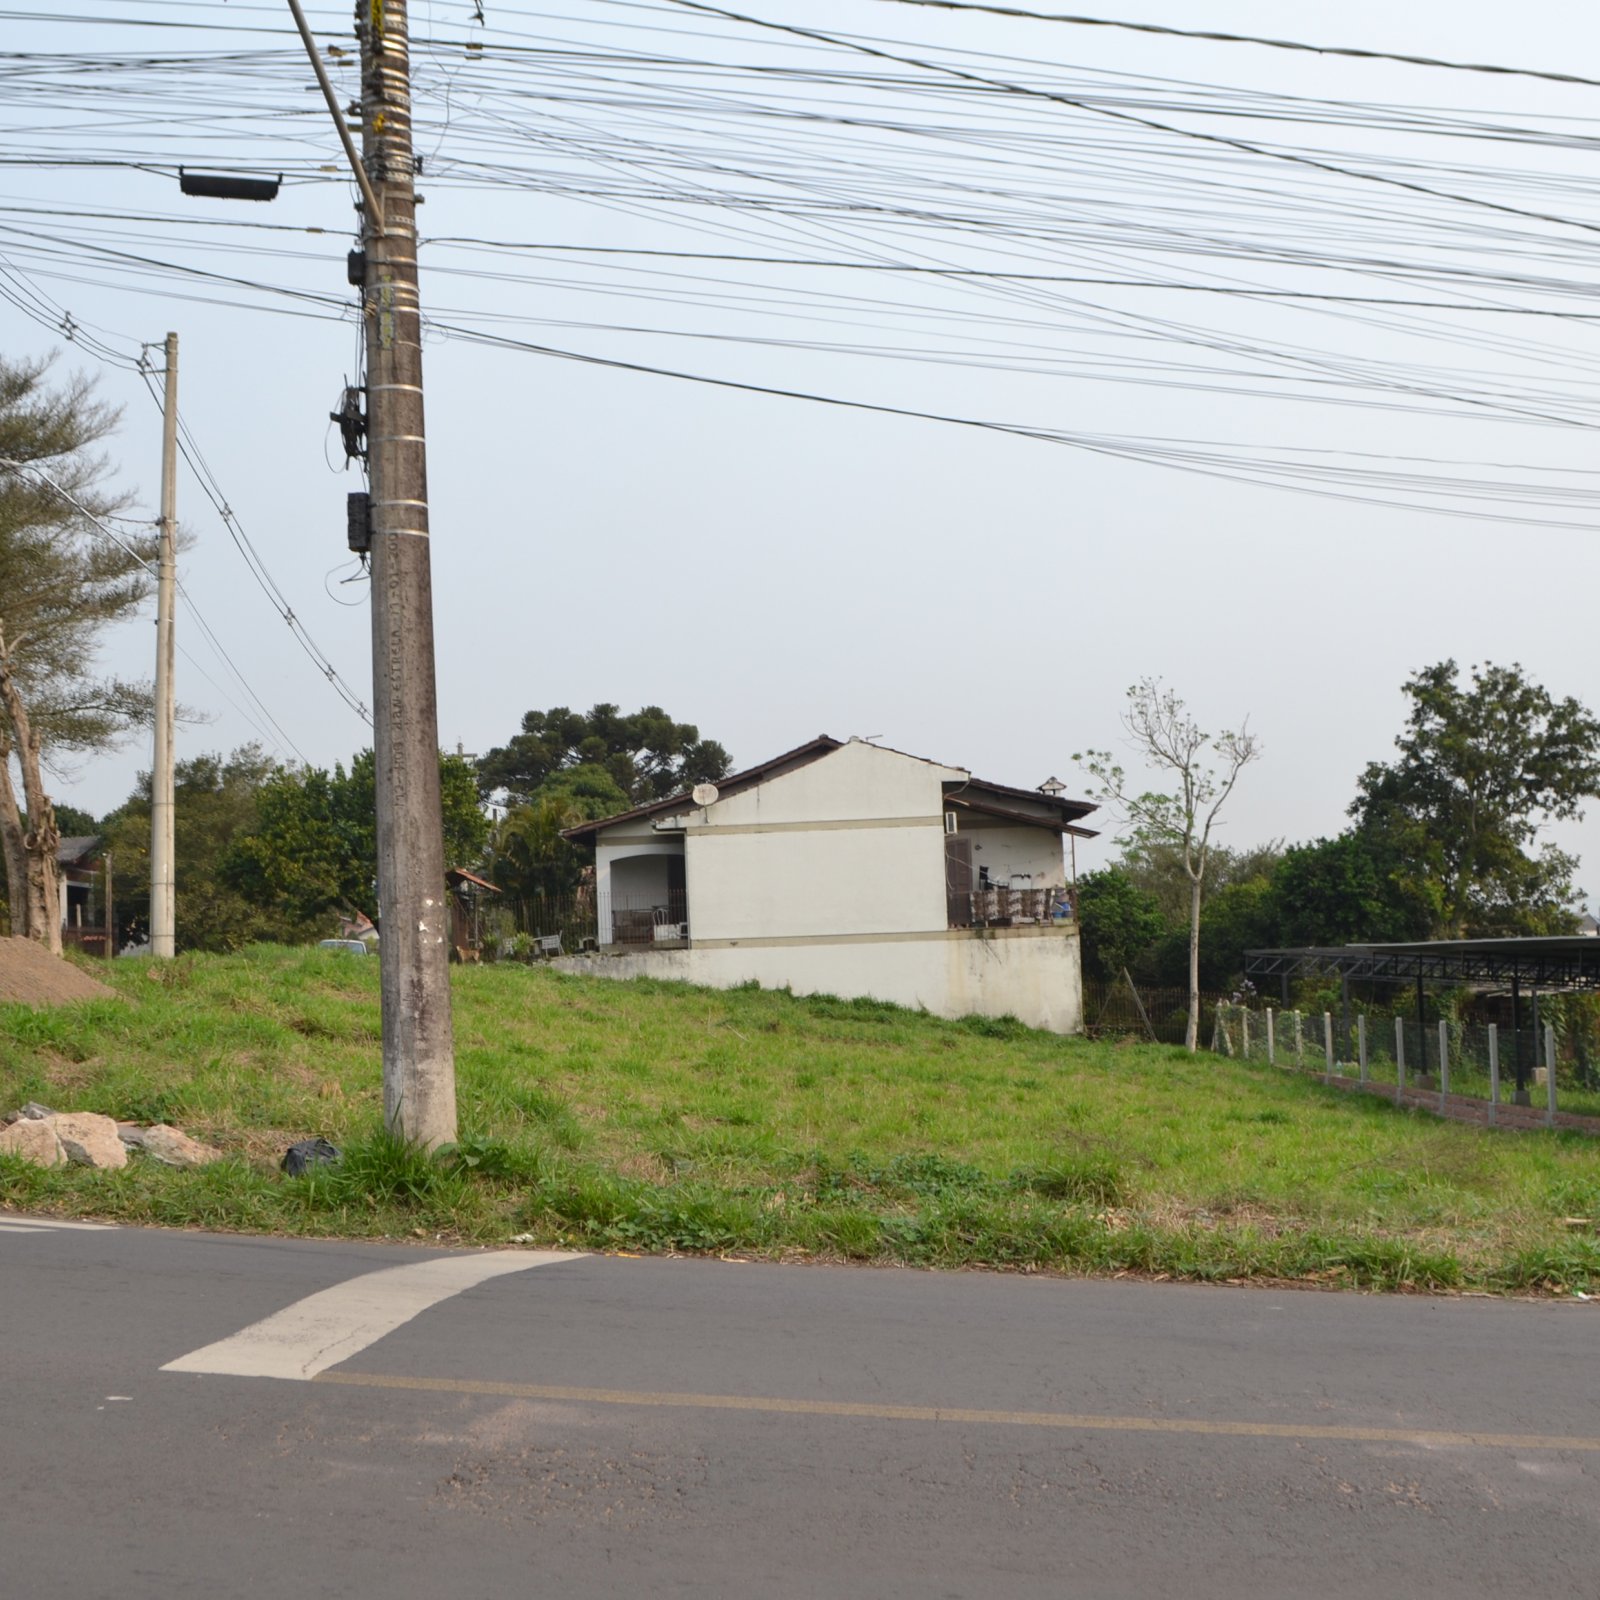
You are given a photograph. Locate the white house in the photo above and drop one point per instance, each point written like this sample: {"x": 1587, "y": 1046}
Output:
{"x": 848, "y": 869}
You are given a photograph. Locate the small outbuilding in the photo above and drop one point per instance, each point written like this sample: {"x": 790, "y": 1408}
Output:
{"x": 80, "y": 871}
{"x": 467, "y": 891}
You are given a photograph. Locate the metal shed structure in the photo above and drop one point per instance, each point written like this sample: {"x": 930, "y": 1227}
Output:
{"x": 1563, "y": 964}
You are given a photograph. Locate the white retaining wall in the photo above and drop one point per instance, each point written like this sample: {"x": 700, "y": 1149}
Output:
{"x": 1033, "y": 974}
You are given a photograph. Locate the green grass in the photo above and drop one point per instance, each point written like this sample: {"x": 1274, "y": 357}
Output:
{"x": 650, "y": 1117}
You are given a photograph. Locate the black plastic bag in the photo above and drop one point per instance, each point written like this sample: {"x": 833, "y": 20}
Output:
{"x": 300, "y": 1158}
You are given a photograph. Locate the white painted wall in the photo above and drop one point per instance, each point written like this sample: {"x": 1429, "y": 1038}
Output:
{"x": 1005, "y": 850}
{"x": 816, "y": 871}
{"x": 1034, "y": 975}
{"x": 834, "y": 881}
{"x": 857, "y": 780}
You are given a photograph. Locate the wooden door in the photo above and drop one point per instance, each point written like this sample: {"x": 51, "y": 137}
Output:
{"x": 958, "y": 879}
{"x": 677, "y": 890}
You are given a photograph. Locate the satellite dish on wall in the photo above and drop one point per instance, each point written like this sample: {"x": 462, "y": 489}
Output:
{"x": 705, "y": 794}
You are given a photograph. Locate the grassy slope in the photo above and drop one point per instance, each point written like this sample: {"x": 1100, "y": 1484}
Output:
{"x": 653, "y": 1116}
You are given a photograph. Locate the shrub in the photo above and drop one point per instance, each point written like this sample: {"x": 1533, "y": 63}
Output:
{"x": 384, "y": 1169}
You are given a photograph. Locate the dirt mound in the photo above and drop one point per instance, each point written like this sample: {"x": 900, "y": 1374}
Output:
{"x": 31, "y": 975}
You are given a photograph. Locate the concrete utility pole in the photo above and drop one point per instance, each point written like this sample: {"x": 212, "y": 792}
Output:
{"x": 419, "y": 1070}
{"x": 419, "y": 1077}
{"x": 163, "y": 872}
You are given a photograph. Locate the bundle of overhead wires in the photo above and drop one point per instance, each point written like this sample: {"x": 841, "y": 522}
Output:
{"x": 1362, "y": 298}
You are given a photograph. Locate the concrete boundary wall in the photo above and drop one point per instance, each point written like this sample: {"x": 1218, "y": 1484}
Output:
{"x": 1032, "y": 974}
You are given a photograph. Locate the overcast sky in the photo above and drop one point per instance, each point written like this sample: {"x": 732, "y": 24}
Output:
{"x": 770, "y": 569}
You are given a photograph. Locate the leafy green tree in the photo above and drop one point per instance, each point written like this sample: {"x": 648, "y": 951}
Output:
{"x": 1346, "y": 890}
{"x": 1241, "y": 915}
{"x": 1157, "y": 867}
{"x": 647, "y": 755}
{"x": 1119, "y": 921}
{"x": 529, "y": 857}
{"x": 1481, "y": 768}
{"x": 62, "y": 583}
{"x": 314, "y": 847}
{"x": 215, "y": 802}
{"x": 586, "y": 790}
{"x": 73, "y": 823}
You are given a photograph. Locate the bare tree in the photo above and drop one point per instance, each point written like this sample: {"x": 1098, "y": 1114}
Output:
{"x": 1161, "y": 729}
{"x": 62, "y": 580}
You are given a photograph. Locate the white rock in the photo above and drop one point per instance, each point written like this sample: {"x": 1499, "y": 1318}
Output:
{"x": 90, "y": 1139}
{"x": 34, "y": 1141}
{"x": 177, "y": 1149}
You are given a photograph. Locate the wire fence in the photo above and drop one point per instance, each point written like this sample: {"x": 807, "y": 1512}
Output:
{"x": 545, "y": 926}
{"x": 1479, "y": 1061}
{"x": 1122, "y": 1007}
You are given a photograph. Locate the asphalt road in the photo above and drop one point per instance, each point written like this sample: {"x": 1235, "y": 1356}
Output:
{"x": 602, "y": 1426}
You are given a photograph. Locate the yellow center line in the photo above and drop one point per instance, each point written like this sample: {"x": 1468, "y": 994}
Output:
{"x": 1019, "y": 1419}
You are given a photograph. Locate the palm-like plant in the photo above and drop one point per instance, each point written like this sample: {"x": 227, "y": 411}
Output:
{"x": 527, "y": 854}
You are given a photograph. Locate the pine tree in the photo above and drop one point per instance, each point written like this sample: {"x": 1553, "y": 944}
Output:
{"x": 62, "y": 582}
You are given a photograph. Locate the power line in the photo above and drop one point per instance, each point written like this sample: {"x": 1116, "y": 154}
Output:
{"x": 1173, "y": 454}
{"x": 207, "y": 480}
{"x": 1340, "y": 372}
{"x": 1150, "y": 451}
{"x": 216, "y": 645}
{"x": 1083, "y": 104}
{"x": 987, "y": 274}
{"x": 241, "y": 711}
{"x": 638, "y": 131}
{"x": 78, "y": 506}
{"x": 890, "y": 268}
{"x": 1211, "y": 36}
{"x": 212, "y": 490}
{"x": 205, "y": 627}
{"x": 1245, "y": 38}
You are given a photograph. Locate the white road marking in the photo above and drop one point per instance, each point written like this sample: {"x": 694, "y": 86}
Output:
{"x": 11, "y": 1224}
{"x": 331, "y": 1326}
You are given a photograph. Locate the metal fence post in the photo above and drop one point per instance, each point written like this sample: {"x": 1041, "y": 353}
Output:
{"x": 1494, "y": 1070}
{"x": 1444, "y": 1061}
{"x": 1299, "y": 1042}
{"x": 1550, "y": 1075}
{"x": 1399, "y": 1057}
{"x": 1327, "y": 1046}
{"x": 1272, "y": 1050}
{"x": 1361, "y": 1042}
